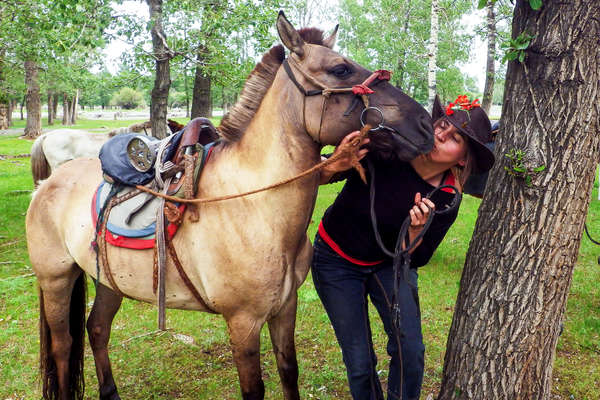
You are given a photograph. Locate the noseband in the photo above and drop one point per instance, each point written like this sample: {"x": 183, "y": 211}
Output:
{"x": 362, "y": 92}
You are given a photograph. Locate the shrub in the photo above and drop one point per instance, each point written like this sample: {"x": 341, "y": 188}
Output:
{"x": 128, "y": 99}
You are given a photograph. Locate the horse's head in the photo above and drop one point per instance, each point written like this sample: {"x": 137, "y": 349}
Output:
{"x": 330, "y": 115}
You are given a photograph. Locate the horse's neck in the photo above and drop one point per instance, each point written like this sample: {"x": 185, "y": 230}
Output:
{"x": 275, "y": 140}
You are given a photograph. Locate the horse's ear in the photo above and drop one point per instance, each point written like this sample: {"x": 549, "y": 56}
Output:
{"x": 289, "y": 36}
{"x": 330, "y": 41}
{"x": 437, "y": 111}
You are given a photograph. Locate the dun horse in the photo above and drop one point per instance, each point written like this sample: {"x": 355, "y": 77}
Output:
{"x": 245, "y": 256}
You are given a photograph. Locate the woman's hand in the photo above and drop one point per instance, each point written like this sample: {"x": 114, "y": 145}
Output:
{"x": 419, "y": 214}
{"x": 346, "y": 158}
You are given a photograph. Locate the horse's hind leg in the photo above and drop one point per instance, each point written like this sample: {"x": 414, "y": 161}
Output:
{"x": 106, "y": 305}
{"x": 244, "y": 332}
{"x": 62, "y": 317}
{"x": 281, "y": 329}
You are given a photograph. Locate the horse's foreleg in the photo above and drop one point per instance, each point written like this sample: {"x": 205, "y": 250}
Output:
{"x": 106, "y": 305}
{"x": 281, "y": 329}
{"x": 244, "y": 332}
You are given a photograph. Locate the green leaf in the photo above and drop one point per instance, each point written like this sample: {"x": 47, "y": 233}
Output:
{"x": 512, "y": 55}
{"x": 481, "y": 4}
{"x": 521, "y": 56}
{"x": 540, "y": 168}
{"x": 535, "y": 4}
{"x": 528, "y": 180}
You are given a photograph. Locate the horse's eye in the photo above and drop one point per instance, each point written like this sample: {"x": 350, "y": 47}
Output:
{"x": 341, "y": 71}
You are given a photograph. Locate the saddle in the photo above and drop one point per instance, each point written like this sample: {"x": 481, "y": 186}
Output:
{"x": 132, "y": 222}
{"x": 124, "y": 216}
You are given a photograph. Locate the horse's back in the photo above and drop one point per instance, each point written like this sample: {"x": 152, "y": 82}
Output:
{"x": 62, "y": 145}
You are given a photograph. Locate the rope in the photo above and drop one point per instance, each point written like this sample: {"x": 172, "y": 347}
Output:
{"x": 347, "y": 148}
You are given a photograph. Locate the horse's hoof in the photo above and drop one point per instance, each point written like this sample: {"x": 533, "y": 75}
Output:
{"x": 110, "y": 394}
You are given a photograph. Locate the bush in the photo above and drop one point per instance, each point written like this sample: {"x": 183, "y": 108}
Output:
{"x": 128, "y": 99}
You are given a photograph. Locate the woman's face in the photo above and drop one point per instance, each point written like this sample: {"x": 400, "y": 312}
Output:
{"x": 450, "y": 147}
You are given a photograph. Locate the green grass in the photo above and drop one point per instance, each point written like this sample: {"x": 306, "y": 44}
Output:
{"x": 159, "y": 366}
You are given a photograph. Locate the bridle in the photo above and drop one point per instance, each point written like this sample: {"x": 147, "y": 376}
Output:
{"x": 361, "y": 91}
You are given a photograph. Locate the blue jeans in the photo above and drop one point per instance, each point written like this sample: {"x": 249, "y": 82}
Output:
{"x": 343, "y": 288}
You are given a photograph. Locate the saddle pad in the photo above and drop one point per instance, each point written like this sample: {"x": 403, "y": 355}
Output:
{"x": 139, "y": 231}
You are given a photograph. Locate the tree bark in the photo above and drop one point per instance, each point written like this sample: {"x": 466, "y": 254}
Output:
{"x": 433, "y": 50}
{"x": 201, "y": 100}
{"x": 3, "y": 116}
{"x": 55, "y": 105}
{"x": 33, "y": 127}
{"x": 66, "y": 117}
{"x": 12, "y": 103}
{"x": 162, "y": 81}
{"x": 490, "y": 71}
{"x": 402, "y": 58}
{"x": 520, "y": 261}
{"x": 22, "y": 105}
{"x": 50, "y": 108}
{"x": 74, "y": 104}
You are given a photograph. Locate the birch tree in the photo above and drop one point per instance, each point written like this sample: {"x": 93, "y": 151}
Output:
{"x": 519, "y": 266}
{"x": 432, "y": 56}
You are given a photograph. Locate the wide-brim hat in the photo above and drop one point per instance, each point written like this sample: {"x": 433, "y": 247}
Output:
{"x": 472, "y": 122}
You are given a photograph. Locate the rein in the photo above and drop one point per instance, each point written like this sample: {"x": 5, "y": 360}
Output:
{"x": 363, "y": 90}
{"x": 401, "y": 253}
{"x": 348, "y": 147}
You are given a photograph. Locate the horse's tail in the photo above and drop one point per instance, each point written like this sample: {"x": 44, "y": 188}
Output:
{"x": 77, "y": 331}
{"x": 40, "y": 169}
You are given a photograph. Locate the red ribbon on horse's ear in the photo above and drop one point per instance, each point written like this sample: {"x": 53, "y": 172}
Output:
{"x": 363, "y": 88}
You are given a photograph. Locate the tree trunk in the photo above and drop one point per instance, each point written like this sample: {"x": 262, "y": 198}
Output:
{"x": 22, "y": 105}
{"x": 201, "y": 101}
{"x": 162, "y": 81}
{"x": 4, "y": 101}
{"x": 402, "y": 58}
{"x": 50, "y": 108}
{"x": 520, "y": 261}
{"x": 33, "y": 127}
{"x": 490, "y": 71}
{"x": 3, "y": 115}
{"x": 433, "y": 50}
{"x": 66, "y": 117}
{"x": 74, "y": 107}
{"x": 12, "y": 103}
{"x": 187, "y": 92}
{"x": 55, "y": 105}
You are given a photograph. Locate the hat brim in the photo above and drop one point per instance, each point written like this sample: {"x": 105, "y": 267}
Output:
{"x": 484, "y": 157}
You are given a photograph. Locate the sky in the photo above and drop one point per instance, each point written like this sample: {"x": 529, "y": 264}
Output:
{"x": 475, "y": 67}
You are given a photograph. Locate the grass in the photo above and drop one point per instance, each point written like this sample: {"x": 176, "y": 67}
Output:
{"x": 159, "y": 366}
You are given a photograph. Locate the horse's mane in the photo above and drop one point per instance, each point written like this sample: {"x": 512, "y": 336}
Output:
{"x": 259, "y": 81}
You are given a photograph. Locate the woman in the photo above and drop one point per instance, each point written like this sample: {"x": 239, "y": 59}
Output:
{"x": 348, "y": 264}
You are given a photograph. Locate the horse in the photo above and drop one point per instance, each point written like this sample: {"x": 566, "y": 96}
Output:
{"x": 247, "y": 256}
{"x": 61, "y": 145}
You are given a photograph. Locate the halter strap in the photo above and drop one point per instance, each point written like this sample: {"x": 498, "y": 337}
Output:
{"x": 362, "y": 90}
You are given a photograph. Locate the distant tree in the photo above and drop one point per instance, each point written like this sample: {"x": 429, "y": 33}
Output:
{"x": 394, "y": 36}
{"x": 128, "y": 99}
{"x": 59, "y": 27}
{"x": 162, "y": 78}
{"x": 519, "y": 266}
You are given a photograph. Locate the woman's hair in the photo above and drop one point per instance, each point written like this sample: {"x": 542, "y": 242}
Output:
{"x": 461, "y": 173}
